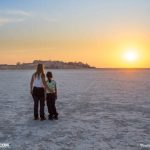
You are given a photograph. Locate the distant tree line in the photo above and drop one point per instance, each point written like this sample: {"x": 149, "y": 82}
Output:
{"x": 48, "y": 65}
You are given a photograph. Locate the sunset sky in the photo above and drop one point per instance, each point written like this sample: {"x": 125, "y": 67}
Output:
{"x": 102, "y": 33}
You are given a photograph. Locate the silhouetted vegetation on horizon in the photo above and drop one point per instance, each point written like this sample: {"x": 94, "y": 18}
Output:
{"x": 48, "y": 65}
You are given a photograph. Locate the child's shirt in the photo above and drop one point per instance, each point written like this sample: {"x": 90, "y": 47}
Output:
{"x": 52, "y": 86}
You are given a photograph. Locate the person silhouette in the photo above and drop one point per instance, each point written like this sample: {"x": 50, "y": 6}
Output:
{"x": 51, "y": 96}
{"x": 37, "y": 89}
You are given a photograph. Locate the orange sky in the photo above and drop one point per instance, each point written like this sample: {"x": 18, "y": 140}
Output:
{"x": 94, "y": 32}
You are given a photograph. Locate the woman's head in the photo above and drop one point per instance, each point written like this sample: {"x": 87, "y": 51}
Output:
{"x": 49, "y": 75}
{"x": 40, "y": 69}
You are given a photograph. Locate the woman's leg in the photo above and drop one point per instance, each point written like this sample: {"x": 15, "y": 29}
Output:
{"x": 42, "y": 104}
{"x": 36, "y": 104}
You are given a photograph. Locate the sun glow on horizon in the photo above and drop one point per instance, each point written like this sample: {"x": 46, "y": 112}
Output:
{"x": 131, "y": 55}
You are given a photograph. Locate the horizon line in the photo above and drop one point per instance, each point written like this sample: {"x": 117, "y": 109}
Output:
{"x": 94, "y": 67}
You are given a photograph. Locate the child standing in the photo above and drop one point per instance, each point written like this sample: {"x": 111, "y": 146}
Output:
{"x": 51, "y": 96}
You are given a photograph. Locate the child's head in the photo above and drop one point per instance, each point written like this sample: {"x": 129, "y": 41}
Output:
{"x": 49, "y": 75}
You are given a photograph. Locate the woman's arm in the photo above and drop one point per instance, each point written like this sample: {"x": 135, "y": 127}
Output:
{"x": 56, "y": 91}
{"x": 44, "y": 83}
{"x": 31, "y": 83}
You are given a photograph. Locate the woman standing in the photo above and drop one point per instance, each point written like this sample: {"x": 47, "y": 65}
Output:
{"x": 37, "y": 87}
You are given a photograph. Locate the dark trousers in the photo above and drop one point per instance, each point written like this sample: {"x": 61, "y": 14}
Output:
{"x": 51, "y": 98}
{"x": 38, "y": 96}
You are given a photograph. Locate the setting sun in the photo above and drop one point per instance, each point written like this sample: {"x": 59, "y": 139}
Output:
{"x": 131, "y": 55}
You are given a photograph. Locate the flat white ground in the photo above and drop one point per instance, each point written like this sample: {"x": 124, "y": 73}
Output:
{"x": 99, "y": 110}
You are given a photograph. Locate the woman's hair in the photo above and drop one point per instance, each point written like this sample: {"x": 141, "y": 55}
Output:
{"x": 40, "y": 70}
{"x": 49, "y": 75}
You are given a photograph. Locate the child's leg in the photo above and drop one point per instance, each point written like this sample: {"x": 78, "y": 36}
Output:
{"x": 49, "y": 105}
{"x": 53, "y": 106}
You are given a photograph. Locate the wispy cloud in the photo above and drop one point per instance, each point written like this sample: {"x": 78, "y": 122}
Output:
{"x": 15, "y": 13}
{"x": 4, "y": 21}
{"x": 12, "y": 16}
{"x": 47, "y": 17}
{"x": 51, "y": 19}
{"x": 9, "y": 16}
{"x": 18, "y": 13}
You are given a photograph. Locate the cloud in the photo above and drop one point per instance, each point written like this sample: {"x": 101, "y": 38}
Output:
{"x": 18, "y": 12}
{"x": 9, "y": 16}
{"x": 51, "y": 19}
{"x": 13, "y": 16}
{"x": 4, "y": 21}
{"x": 15, "y": 13}
{"x": 47, "y": 17}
